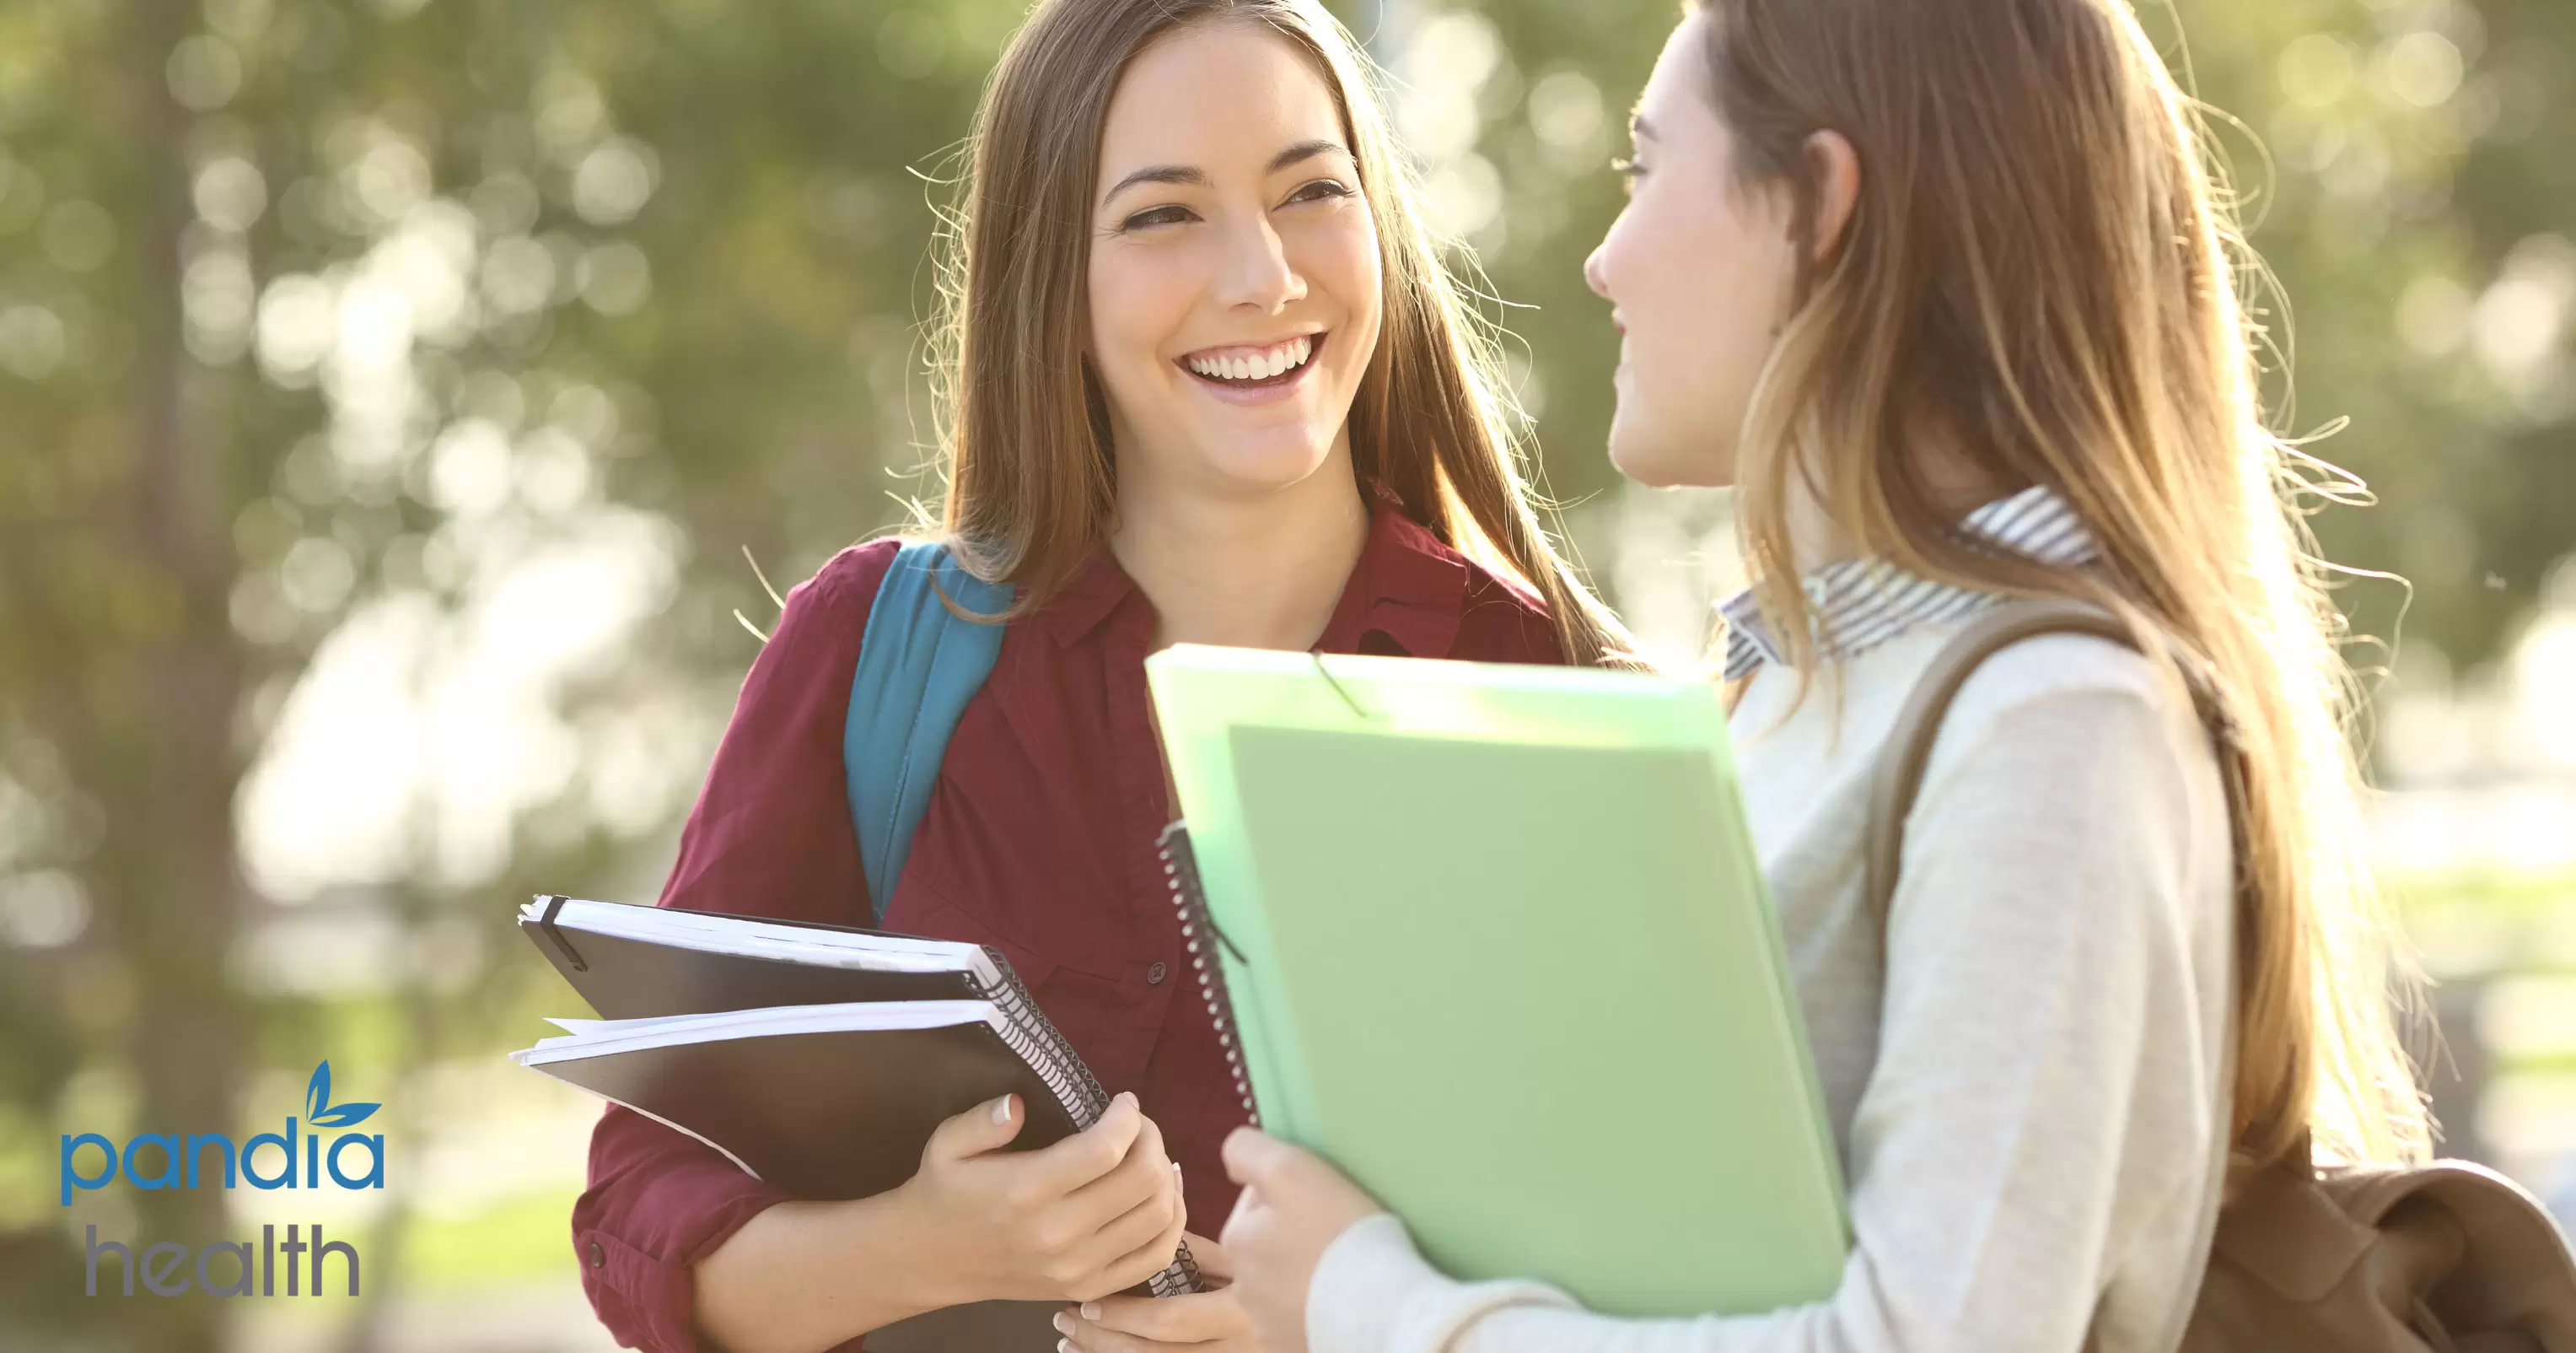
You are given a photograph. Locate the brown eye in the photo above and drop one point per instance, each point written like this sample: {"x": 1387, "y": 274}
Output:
{"x": 1318, "y": 191}
{"x": 1159, "y": 216}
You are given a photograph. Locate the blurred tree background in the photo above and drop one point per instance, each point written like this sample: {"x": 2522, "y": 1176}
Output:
{"x": 393, "y": 395}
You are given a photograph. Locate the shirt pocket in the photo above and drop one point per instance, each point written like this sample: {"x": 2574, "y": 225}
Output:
{"x": 1097, "y": 1015}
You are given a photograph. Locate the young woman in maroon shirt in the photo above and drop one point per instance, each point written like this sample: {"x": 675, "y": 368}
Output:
{"x": 1207, "y": 382}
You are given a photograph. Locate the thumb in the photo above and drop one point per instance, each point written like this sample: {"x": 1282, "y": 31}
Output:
{"x": 1255, "y": 1159}
{"x": 988, "y": 1126}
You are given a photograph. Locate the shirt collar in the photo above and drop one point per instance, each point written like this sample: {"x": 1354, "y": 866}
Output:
{"x": 1858, "y": 604}
{"x": 1407, "y": 586}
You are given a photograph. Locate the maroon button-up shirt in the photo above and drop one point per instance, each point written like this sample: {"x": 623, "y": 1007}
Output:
{"x": 1039, "y": 841}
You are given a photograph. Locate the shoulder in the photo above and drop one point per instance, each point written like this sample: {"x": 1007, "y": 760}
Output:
{"x": 1502, "y": 620}
{"x": 818, "y": 632}
{"x": 846, "y": 585}
{"x": 2071, "y": 670}
{"x": 2075, "y": 713}
{"x": 2070, "y": 834}
{"x": 1497, "y": 618}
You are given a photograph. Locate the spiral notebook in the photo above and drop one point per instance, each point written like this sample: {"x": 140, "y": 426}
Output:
{"x": 1494, "y": 940}
{"x": 816, "y": 1058}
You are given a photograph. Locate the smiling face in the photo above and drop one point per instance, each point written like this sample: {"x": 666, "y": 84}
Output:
{"x": 1234, "y": 271}
{"x": 1701, "y": 269}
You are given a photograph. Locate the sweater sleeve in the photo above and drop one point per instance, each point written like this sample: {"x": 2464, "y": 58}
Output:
{"x": 770, "y": 835}
{"x": 2044, "y": 1086}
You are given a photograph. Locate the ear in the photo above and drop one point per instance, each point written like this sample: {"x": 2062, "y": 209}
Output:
{"x": 1833, "y": 167}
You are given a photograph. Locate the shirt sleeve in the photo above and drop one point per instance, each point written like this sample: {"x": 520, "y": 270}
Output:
{"x": 770, "y": 835}
{"x": 2045, "y": 1095}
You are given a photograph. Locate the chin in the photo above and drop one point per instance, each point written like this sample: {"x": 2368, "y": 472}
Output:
{"x": 1650, "y": 466}
{"x": 1273, "y": 458}
{"x": 1665, "y": 462}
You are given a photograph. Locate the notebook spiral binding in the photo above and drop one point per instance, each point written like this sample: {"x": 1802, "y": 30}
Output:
{"x": 1044, "y": 1047}
{"x": 1199, "y": 939}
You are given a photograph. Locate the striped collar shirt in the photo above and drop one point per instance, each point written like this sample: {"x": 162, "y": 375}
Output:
{"x": 1858, "y": 604}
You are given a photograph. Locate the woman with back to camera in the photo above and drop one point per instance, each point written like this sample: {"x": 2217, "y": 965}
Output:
{"x": 1945, "y": 287}
{"x": 1207, "y": 382}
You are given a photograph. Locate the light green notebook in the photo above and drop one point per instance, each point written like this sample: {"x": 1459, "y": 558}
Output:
{"x": 1496, "y": 943}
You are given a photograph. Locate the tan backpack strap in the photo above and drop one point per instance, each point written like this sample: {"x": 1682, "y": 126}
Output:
{"x": 1908, "y": 751}
{"x": 1909, "y": 744}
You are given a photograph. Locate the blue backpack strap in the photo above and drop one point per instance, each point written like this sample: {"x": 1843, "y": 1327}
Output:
{"x": 919, "y": 663}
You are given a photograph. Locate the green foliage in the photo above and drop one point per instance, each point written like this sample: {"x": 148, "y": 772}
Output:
{"x": 306, "y": 307}
{"x": 2418, "y": 224}
{"x": 2393, "y": 162}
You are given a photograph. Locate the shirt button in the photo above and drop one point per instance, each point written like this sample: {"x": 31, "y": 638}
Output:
{"x": 598, "y": 1256}
{"x": 1154, "y": 975}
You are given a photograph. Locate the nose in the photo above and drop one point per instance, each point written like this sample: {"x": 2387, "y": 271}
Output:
{"x": 1256, "y": 272}
{"x": 1592, "y": 274}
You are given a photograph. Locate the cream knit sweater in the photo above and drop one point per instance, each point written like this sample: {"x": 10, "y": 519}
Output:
{"x": 2029, "y": 1101}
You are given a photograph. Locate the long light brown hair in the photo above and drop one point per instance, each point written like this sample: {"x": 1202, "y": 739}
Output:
{"x": 2041, "y": 277}
{"x": 1030, "y": 475}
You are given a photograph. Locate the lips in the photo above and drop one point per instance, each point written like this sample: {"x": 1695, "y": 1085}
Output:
{"x": 1254, "y": 366}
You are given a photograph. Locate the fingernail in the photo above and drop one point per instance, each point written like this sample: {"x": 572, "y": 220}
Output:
{"x": 1002, "y": 1109}
{"x": 1063, "y": 1323}
{"x": 1066, "y": 1346}
{"x": 1090, "y": 1311}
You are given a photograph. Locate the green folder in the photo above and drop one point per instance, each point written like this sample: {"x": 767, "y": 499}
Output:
{"x": 1496, "y": 943}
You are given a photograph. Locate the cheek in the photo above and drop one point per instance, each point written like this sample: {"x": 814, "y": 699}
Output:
{"x": 1338, "y": 257}
{"x": 1714, "y": 287}
{"x": 1692, "y": 277}
{"x": 1138, "y": 300}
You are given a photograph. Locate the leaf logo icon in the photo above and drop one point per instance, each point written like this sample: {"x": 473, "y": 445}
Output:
{"x": 321, "y": 1112}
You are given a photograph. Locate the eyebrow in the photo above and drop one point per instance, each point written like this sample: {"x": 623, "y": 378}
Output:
{"x": 1196, "y": 177}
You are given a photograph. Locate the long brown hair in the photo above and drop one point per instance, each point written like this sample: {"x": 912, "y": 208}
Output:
{"x": 2041, "y": 277}
{"x": 1031, "y": 483}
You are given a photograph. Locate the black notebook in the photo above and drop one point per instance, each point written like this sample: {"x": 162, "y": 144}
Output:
{"x": 817, "y": 1058}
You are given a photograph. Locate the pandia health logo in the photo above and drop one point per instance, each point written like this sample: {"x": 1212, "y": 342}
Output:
{"x": 152, "y": 1160}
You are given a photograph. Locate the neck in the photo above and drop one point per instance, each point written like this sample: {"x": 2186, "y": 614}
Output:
{"x": 1248, "y": 570}
{"x": 1957, "y": 484}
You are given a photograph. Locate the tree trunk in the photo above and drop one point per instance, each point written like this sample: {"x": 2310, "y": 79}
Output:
{"x": 171, "y": 882}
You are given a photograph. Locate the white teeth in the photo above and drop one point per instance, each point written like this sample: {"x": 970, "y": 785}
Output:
{"x": 1255, "y": 366}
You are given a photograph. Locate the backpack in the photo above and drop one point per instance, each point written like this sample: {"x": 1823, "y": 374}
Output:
{"x": 919, "y": 663}
{"x": 2449, "y": 1257}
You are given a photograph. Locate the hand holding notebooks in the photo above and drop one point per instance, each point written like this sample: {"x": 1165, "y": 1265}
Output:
{"x": 817, "y": 1058}
{"x": 1493, "y": 939}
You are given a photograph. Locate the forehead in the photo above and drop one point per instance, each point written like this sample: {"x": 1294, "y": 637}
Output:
{"x": 1679, "y": 83}
{"x": 1216, "y": 96}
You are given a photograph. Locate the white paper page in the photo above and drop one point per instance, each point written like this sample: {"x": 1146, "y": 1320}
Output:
{"x": 756, "y": 939}
{"x": 602, "y": 1037}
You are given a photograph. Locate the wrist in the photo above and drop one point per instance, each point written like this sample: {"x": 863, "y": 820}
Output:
{"x": 895, "y": 1237}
